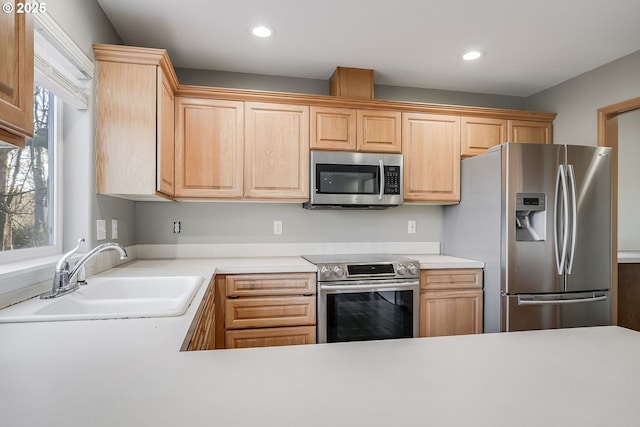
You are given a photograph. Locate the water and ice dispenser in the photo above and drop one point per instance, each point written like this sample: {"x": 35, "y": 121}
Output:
{"x": 531, "y": 217}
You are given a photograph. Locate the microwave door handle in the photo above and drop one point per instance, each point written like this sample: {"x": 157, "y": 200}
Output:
{"x": 382, "y": 183}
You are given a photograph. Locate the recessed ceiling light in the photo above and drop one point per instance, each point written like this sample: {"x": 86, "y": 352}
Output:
{"x": 262, "y": 31}
{"x": 472, "y": 55}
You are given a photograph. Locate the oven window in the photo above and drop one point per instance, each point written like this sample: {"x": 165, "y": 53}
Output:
{"x": 347, "y": 179}
{"x": 369, "y": 315}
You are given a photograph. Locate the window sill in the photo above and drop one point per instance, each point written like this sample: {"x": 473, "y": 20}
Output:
{"x": 18, "y": 278}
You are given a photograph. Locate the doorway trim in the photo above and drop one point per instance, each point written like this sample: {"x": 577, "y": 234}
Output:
{"x": 608, "y": 137}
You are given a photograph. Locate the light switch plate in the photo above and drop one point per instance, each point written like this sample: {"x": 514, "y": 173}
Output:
{"x": 101, "y": 229}
{"x": 411, "y": 227}
{"x": 114, "y": 228}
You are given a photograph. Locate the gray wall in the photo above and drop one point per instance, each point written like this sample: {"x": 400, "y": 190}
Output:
{"x": 577, "y": 102}
{"x": 235, "y": 222}
{"x": 225, "y": 222}
{"x": 85, "y": 22}
{"x": 629, "y": 181}
{"x": 321, "y": 87}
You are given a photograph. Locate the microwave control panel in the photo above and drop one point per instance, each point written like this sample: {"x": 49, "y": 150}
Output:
{"x": 392, "y": 180}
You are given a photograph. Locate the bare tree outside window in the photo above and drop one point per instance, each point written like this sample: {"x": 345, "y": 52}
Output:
{"x": 25, "y": 184}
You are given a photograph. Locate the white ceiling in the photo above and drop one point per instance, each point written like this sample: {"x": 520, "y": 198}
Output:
{"x": 530, "y": 45}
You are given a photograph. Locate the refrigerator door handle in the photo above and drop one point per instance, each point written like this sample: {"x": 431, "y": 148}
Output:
{"x": 574, "y": 218}
{"x": 531, "y": 300}
{"x": 557, "y": 221}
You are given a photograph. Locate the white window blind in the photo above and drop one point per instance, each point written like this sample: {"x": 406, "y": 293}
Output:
{"x": 59, "y": 64}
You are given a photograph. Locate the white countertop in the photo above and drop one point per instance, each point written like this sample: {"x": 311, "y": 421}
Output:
{"x": 131, "y": 373}
{"x": 445, "y": 261}
{"x": 628, "y": 257}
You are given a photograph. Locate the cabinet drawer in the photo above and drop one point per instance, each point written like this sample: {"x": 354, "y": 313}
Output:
{"x": 269, "y": 312}
{"x": 271, "y": 284}
{"x": 267, "y": 337}
{"x": 451, "y": 279}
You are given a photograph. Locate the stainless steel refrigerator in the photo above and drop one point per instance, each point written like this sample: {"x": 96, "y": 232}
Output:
{"x": 539, "y": 216}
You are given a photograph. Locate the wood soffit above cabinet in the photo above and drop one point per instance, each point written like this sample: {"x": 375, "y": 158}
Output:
{"x": 160, "y": 57}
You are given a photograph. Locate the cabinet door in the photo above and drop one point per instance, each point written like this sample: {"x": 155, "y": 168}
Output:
{"x": 126, "y": 115}
{"x": 16, "y": 76}
{"x": 268, "y": 337}
{"x": 431, "y": 149}
{"x": 529, "y": 131}
{"x": 379, "y": 131}
{"x": 209, "y": 148}
{"x": 201, "y": 334}
{"x": 480, "y": 133}
{"x": 333, "y": 128}
{"x": 277, "y": 151}
{"x": 166, "y": 136}
{"x": 450, "y": 312}
{"x": 263, "y": 312}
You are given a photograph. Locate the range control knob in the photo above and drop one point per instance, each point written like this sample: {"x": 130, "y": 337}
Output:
{"x": 413, "y": 269}
{"x": 402, "y": 269}
{"x": 338, "y": 270}
{"x": 325, "y": 272}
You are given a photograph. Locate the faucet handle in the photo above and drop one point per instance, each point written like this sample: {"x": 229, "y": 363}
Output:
{"x": 63, "y": 264}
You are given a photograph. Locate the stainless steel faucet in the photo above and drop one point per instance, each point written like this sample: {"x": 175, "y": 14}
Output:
{"x": 62, "y": 280}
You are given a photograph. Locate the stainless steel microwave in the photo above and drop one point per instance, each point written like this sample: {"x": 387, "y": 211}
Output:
{"x": 349, "y": 180}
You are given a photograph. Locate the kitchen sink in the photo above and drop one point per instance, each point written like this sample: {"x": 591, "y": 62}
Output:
{"x": 111, "y": 298}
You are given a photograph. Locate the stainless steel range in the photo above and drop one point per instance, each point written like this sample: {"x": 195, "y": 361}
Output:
{"x": 366, "y": 297}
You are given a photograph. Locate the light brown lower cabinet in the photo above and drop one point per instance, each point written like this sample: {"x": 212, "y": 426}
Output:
{"x": 450, "y": 302}
{"x": 269, "y": 310}
{"x": 201, "y": 334}
{"x": 255, "y": 310}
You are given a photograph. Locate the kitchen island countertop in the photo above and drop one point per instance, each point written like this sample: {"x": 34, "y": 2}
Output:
{"x": 629, "y": 257}
{"x": 131, "y": 373}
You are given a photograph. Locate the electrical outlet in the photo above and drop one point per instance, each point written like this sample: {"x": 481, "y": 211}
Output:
{"x": 101, "y": 229}
{"x": 411, "y": 227}
{"x": 177, "y": 227}
{"x": 277, "y": 227}
{"x": 114, "y": 228}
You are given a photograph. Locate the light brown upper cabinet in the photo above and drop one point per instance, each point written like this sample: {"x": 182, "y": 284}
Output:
{"x": 351, "y": 129}
{"x": 135, "y": 135}
{"x": 166, "y": 135}
{"x": 333, "y": 128}
{"x": 480, "y": 133}
{"x": 431, "y": 149}
{"x": 276, "y": 151}
{"x": 379, "y": 131}
{"x": 529, "y": 131}
{"x": 209, "y": 148}
{"x": 16, "y": 77}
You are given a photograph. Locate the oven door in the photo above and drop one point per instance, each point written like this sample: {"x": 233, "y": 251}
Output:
{"x": 368, "y": 310}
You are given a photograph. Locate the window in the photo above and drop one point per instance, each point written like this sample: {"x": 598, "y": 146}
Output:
{"x": 30, "y": 178}
{"x": 28, "y": 204}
